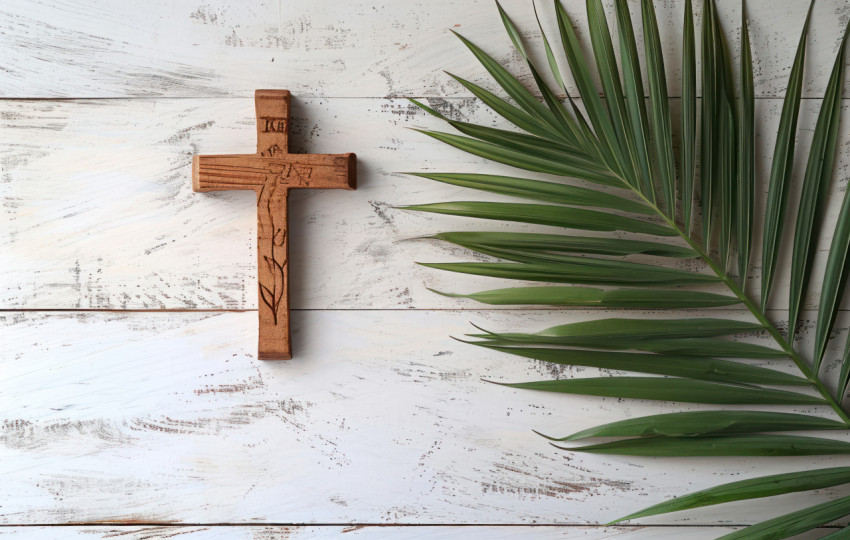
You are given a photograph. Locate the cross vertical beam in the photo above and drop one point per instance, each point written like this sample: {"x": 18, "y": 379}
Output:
{"x": 271, "y": 173}
{"x": 275, "y": 343}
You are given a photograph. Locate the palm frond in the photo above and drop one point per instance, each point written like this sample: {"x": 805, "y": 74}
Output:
{"x": 639, "y": 214}
{"x": 780, "y": 172}
{"x": 696, "y": 423}
{"x": 689, "y": 118}
{"x": 745, "y": 195}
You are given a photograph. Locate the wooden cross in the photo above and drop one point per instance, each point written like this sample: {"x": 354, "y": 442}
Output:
{"x": 272, "y": 172}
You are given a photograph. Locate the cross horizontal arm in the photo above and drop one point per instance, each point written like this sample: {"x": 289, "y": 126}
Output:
{"x": 250, "y": 171}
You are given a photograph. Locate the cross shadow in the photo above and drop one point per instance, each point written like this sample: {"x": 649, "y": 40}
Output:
{"x": 306, "y": 208}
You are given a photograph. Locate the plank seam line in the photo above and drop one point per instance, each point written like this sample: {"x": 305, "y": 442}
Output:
{"x": 307, "y": 310}
{"x": 306, "y": 96}
{"x": 467, "y": 525}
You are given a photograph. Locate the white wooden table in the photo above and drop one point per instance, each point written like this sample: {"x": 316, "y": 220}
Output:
{"x": 131, "y": 399}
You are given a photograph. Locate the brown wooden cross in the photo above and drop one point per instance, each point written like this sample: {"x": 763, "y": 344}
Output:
{"x": 272, "y": 172}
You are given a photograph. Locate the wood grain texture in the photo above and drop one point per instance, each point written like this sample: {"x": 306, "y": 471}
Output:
{"x": 111, "y": 222}
{"x": 362, "y": 48}
{"x": 229, "y": 172}
{"x": 382, "y": 419}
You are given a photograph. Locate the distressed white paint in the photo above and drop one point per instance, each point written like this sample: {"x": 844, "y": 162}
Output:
{"x": 167, "y": 417}
{"x": 361, "y": 48}
{"x": 376, "y": 532}
{"x": 99, "y": 211}
{"x": 382, "y": 418}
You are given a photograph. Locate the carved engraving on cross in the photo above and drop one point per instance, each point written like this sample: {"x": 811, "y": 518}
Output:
{"x": 271, "y": 173}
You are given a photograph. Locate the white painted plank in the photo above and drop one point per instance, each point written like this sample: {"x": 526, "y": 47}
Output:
{"x": 361, "y": 48}
{"x": 380, "y": 418}
{"x": 371, "y": 532}
{"x": 98, "y": 210}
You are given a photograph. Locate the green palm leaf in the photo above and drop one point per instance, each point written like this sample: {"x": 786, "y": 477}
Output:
{"x": 818, "y": 173}
{"x": 780, "y": 173}
{"x": 606, "y": 65}
{"x": 512, "y": 114}
{"x": 634, "y": 101}
{"x": 689, "y": 424}
{"x": 563, "y": 243}
{"x": 540, "y": 191}
{"x": 834, "y": 282}
{"x": 708, "y": 138}
{"x": 502, "y": 137}
{"x": 599, "y": 119}
{"x": 725, "y": 445}
{"x": 755, "y": 488}
{"x": 560, "y": 119}
{"x": 795, "y": 522}
{"x": 689, "y": 117}
{"x": 586, "y": 271}
{"x": 746, "y": 158}
{"x": 538, "y": 161}
{"x": 593, "y": 297}
{"x": 693, "y": 259}
{"x": 670, "y": 389}
{"x": 583, "y": 133}
{"x": 703, "y": 368}
{"x": 541, "y": 214}
{"x": 509, "y": 84}
{"x": 694, "y": 347}
{"x": 614, "y": 330}
{"x": 661, "y": 131}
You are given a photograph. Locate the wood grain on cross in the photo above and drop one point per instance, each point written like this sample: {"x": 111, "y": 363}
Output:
{"x": 272, "y": 172}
